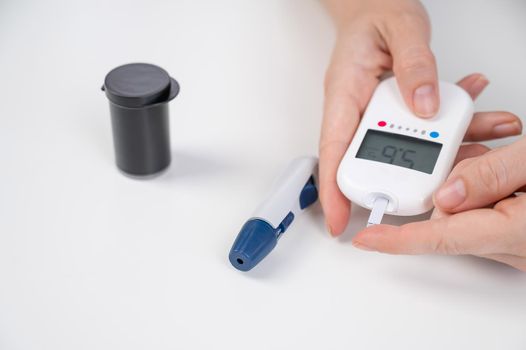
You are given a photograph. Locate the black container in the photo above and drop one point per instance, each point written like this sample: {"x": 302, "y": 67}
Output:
{"x": 139, "y": 94}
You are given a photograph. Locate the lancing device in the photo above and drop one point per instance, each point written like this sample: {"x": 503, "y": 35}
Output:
{"x": 396, "y": 160}
{"x": 293, "y": 191}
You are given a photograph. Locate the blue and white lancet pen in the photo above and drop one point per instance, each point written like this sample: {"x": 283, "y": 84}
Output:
{"x": 293, "y": 191}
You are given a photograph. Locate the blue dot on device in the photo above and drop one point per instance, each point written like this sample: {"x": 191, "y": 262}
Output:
{"x": 434, "y": 134}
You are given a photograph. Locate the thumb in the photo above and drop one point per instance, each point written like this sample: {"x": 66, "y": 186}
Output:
{"x": 484, "y": 180}
{"x": 414, "y": 64}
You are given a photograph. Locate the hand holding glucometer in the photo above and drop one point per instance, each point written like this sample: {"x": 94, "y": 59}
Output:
{"x": 398, "y": 160}
{"x": 395, "y": 163}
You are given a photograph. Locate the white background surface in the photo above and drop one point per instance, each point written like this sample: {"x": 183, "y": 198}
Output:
{"x": 90, "y": 259}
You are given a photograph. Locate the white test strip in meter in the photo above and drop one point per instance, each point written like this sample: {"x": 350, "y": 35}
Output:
{"x": 397, "y": 156}
{"x": 378, "y": 210}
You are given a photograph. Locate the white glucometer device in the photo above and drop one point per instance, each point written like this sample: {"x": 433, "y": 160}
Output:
{"x": 396, "y": 160}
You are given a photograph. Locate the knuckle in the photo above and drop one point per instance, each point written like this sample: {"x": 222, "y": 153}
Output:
{"x": 492, "y": 174}
{"x": 443, "y": 244}
{"x": 463, "y": 164}
{"x": 416, "y": 58}
{"x": 403, "y": 21}
{"x": 509, "y": 207}
{"x": 414, "y": 18}
{"x": 513, "y": 234}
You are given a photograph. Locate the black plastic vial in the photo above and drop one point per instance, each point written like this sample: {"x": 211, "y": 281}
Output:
{"x": 138, "y": 94}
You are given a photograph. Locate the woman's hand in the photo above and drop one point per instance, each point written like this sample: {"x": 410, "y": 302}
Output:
{"x": 480, "y": 211}
{"x": 374, "y": 37}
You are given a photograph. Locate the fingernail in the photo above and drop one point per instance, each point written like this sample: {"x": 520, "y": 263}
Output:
{"x": 479, "y": 85}
{"x": 507, "y": 129}
{"x": 451, "y": 195}
{"x": 329, "y": 229}
{"x": 425, "y": 101}
{"x": 362, "y": 247}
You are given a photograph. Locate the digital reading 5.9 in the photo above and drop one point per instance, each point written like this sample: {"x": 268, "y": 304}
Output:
{"x": 406, "y": 151}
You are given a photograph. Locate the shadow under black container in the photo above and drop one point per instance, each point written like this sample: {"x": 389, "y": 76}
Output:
{"x": 138, "y": 94}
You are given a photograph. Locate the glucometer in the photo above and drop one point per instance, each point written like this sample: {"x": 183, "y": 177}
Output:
{"x": 293, "y": 191}
{"x": 396, "y": 160}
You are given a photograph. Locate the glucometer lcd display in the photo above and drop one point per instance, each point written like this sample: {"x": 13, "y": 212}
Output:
{"x": 401, "y": 150}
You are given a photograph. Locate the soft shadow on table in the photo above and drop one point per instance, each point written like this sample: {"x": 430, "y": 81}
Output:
{"x": 192, "y": 165}
{"x": 462, "y": 275}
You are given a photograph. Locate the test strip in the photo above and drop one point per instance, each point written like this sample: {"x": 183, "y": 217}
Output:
{"x": 377, "y": 213}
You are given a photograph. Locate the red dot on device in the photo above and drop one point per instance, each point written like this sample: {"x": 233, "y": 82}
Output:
{"x": 382, "y": 123}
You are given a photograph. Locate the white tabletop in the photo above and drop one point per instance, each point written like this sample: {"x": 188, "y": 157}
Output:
{"x": 90, "y": 259}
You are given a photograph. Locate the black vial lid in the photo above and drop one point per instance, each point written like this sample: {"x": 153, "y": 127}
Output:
{"x": 137, "y": 85}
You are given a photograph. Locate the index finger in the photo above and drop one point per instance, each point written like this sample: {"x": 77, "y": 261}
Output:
{"x": 479, "y": 232}
{"x": 344, "y": 101}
